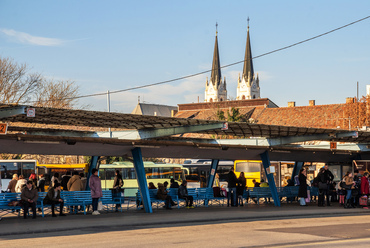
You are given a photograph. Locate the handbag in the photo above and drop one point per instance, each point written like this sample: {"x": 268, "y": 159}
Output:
{"x": 323, "y": 185}
{"x": 308, "y": 199}
{"x": 100, "y": 205}
{"x": 363, "y": 200}
{"x": 343, "y": 185}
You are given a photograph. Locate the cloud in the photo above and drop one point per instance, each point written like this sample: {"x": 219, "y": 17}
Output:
{"x": 25, "y": 38}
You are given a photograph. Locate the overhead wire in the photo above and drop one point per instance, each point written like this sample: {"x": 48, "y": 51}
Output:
{"x": 207, "y": 71}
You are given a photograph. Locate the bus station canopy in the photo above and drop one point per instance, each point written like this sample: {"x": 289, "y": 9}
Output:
{"x": 56, "y": 134}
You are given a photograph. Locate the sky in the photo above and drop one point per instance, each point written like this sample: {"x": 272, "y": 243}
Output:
{"x": 117, "y": 45}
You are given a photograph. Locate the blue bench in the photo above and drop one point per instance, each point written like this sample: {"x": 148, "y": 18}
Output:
{"x": 6, "y": 199}
{"x": 108, "y": 200}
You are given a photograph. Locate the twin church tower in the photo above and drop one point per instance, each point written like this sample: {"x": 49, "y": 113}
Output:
{"x": 248, "y": 84}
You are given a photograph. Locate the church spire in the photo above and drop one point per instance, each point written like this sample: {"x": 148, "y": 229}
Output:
{"x": 248, "y": 63}
{"x": 216, "y": 68}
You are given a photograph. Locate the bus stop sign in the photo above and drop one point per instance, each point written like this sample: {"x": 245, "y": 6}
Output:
{"x": 3, "y": 128}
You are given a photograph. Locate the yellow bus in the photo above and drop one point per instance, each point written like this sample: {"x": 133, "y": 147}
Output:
{"x": 155, "y": 173}
{"x": 48, "y": 170}
{"x": 251, "y": 169}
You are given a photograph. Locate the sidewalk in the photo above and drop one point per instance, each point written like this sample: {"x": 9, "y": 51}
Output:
{"x": 15, "y": 225}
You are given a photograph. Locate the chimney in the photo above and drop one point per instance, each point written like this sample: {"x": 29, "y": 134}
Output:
{"x": 350, "y": 100}
{"x": 173, "y": 112}
{"x": 291, "y": 104}
{"x": 311, "y": 103}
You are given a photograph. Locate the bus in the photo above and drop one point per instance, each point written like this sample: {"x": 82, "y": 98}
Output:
{"x": 199, "y": 170}
{"x": 15, "y": 166}
{"x": 155, "y": 173}
{"x": 48, "y": 170}
{"x": 251, "y": 169}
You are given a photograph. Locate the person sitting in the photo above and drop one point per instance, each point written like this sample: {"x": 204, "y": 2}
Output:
{"x": 13, "y": 183}
{"x": 174, "y": 184}
{"x": 152, "y": 186}
{"x": 183, "y": 194}
{"x": 162, "y": 195}
{"x": 53, "y": 198}
{"x": 256, "y": 184}
{"x": 29, "y": 197}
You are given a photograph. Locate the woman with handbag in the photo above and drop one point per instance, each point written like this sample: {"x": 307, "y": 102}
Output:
{"x": 348, "y": 184}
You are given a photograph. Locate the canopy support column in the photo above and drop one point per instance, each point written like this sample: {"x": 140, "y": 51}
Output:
{"x": 212, "y": 173}
{"x": 297, "y": 167}
{"x": 270, "y": 178}
{"x": 93, "y": 165}
{"x": 141, "y": 179}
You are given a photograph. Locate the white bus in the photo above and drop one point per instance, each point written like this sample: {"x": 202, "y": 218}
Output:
{"x": 15, "y": 166}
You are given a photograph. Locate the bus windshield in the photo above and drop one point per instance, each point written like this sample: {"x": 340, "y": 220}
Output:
{"x": 247, "y": 167}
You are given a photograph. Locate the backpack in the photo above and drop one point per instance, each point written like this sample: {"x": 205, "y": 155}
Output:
{"x": 296, "y": 180}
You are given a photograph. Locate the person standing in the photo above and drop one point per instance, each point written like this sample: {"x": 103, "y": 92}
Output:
{"x": 323, "y": 187}
{"x": 302, "y": 191}
{"x": 41, "y": 183}
{"x": 231, "y": 195}
{"x": 365, "y": 184}
{"x": 55, "y": 179}
{"x": 65, "y": 179}
{"x": 29, "y": 197}
{"x": 117, "y": 185}
{"x": 13, "y": 183}
{"x": 96, "y": 190}
{"x": 328, "y": 177}
{"x": 241, "y": 187}
{"x": 53, "y": 198}
{"x": 349, "y": 186}
{"x": 75, "y": 183}
{"x": 20, "y": 184}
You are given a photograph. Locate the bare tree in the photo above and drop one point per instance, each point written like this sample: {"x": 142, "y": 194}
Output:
{"x": 16, "y": 84}
{"x": 57, "y": 94}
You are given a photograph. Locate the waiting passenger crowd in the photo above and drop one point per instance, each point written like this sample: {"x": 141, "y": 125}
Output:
{"x": 77, "y": 182}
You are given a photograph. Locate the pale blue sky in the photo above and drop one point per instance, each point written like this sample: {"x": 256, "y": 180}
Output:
{"x": 114, "y": 45}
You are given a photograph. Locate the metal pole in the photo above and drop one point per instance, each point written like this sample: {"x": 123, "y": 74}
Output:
{"x": 108, "y": 104}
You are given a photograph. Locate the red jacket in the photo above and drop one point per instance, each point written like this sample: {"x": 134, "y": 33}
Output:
{"x": 364, "y": 186}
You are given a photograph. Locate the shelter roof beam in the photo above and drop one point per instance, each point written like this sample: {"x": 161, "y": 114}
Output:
{"x": 324, "y": 136}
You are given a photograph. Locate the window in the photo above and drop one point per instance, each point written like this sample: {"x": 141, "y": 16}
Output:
{"x": 9, "y": 168}
{"x": 248, "y": 167}
{"x": 128, "y": 173}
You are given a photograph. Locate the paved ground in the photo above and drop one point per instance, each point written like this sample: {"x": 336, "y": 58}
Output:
{"x": 136, "y": 219}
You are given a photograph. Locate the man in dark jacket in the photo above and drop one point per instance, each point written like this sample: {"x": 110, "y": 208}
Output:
{"x": 328, "y": 177}
{"x": 53, "y": 198}
{"x": 29, "y": 197}
{"x": 183, "y": 194}
{"x": 65, "y": 180}
{"x": 232, "y": 181}
{"x": 174, "y": 184}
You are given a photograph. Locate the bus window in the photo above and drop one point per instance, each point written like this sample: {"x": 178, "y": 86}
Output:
{"x": 247, "y": 167}
{"x": 27, "y": 169}
{"x": 8, "y": 169}
{"x": 128, "y": 173}
{"x": 110, "y": 174}
{"x": 193, "y": 175}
